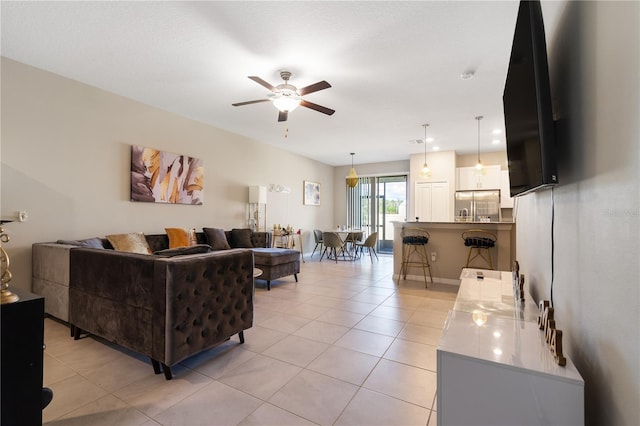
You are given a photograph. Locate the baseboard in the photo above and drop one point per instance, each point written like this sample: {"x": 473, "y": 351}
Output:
{"x": 448, "y": 281}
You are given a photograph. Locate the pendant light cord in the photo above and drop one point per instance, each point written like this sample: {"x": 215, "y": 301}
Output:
{"x": 479, "y": 118}
{"x": 425, "y": 142}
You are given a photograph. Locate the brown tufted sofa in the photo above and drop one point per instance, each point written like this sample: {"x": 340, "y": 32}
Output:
{"x": 167, "y": 308}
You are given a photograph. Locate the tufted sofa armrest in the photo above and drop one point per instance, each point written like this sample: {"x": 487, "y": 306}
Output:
{"x": 165, "y": 308}
{"x": 199, "y": 301}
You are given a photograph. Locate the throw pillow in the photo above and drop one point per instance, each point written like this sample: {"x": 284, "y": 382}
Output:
{"x": 94, "y": 243}
{"x": 241, "y": 238}
{"x": 216, "y": 238}
{"x": 179, "y": 251}
{"x": 134, "y": 242}
{"x": 181, "y": 237}
{"x": 72, "y": 243}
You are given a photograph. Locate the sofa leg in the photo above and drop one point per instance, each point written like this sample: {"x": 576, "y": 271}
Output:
{"x": 296, "y": 277}
{"x": 76, "y": 332}
{"x": 167, "y": 371}
{"x": 241, "y": 336}
{"x": 72, "y": 330}
{"x": 156, "y": 366}
{"x": 268, "y": 285}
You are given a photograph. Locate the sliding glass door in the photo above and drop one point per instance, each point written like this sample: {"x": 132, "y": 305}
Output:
{"x": 376, "y": 202}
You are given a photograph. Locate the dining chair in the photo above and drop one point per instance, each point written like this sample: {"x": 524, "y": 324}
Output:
{"x": 317, "y": 235}
{"x": 334, "y": 244}
{"x": 370, "y": 244}
{"x": 353, "y": 237}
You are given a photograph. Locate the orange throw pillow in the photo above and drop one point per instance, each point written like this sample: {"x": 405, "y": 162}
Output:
{"x": 181, "y": 237}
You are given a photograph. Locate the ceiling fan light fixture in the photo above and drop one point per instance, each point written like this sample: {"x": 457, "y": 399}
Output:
{"x": 352, "y": 177}
{"x": 286, "y": 102}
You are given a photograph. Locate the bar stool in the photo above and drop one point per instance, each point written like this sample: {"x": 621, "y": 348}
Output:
{"x": 414, "y": 242}
{"x": 480, "y": 240}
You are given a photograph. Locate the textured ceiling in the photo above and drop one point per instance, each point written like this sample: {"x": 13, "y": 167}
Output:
{"x": 393, "y": 65}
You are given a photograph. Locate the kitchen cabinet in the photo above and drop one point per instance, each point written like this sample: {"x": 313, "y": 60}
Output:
{"x": 506, "y": 201}
{"x": 469, "y": 179}
{"x": 432, "y": 201}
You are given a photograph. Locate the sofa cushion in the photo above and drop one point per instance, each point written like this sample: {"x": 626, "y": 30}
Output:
{"x": 179, "y": 251}
{"x": 216, "y": 238}
{"x": 134, "y": 242}
{"x": 181, "y": 237}
{"x": 274, "y": 256}
{"x": 241, "y": 238}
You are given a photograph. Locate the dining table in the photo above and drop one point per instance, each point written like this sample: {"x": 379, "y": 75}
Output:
{"x": 349, "y": 237}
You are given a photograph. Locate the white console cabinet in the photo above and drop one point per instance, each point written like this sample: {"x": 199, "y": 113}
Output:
{"x": 494, "y": 366}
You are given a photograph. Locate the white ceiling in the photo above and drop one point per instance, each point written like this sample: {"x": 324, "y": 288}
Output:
{"x": 393, "y": 65}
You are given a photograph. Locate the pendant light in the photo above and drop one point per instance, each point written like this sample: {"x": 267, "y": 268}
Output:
{"x": 425, "y": 172}
{"x": 352, "y": 178}
{"x": 479, "y": 167}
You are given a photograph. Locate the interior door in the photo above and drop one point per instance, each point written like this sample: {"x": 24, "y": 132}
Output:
{"x": 432, "y": 201}
{"x": 440, "y": 202}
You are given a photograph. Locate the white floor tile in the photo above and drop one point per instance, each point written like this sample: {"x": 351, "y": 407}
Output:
{"x": 345, "y": 345}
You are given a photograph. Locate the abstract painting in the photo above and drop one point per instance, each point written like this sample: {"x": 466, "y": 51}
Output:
{"x": 163, "y": 177}
{"x": 311, "y": 193}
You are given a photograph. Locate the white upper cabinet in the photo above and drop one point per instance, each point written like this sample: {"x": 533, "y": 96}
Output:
{"x": 469, "y": 179}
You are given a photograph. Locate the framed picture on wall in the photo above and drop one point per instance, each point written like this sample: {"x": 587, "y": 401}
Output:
{"x": 311, "y": 193}
{"x": 163, "y": 177}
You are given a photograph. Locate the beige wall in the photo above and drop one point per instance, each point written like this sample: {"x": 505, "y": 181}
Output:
{"x": 594, "y": 65}
{"x": 66, "y": 161}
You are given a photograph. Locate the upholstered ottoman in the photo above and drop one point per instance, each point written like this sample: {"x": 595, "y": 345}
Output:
{"x": 276, "y": 263}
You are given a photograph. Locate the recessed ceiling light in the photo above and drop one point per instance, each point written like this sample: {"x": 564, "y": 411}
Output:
{"x": 430, "y": 139}
{"x": 495, "y": 141}
{"x": 436, "y": 148}
{"x": 497, "y": 131}
{"x": 467, "y": 75}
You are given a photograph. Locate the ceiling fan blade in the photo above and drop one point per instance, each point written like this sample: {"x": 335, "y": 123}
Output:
{"x": 263, "y": 83}
{"x": 317, "y": 107}
{"x": 251, "y": 102}
{"x": 321, "y": 85}
{"x": 283, "y": 115}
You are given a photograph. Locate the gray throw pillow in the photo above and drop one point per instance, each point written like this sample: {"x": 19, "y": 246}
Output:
{"x": 72, "y": 243}
{"x": 241, "y": 238}
{"x": 93, "y": 243}
{"x": 216, "y": 238}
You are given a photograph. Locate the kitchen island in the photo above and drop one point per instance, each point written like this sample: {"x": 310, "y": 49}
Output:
{"x": 450, "y": 252}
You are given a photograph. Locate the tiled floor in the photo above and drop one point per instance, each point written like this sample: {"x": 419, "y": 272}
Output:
{"x": 346, "y": 346}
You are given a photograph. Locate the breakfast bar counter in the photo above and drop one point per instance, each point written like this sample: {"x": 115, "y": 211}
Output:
{"x": 450, "y": 252}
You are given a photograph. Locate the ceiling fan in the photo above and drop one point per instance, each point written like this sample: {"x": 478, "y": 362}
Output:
{"x": 287, "y": 97}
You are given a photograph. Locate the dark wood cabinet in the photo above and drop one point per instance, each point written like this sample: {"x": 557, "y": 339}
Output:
{"x": 22, "y": 346}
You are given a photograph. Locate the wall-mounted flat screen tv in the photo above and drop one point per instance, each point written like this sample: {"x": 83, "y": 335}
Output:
{"x": 528, "y": 114}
